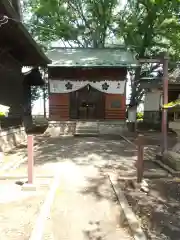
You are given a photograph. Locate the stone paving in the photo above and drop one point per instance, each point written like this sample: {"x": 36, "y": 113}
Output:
{"x": 85, "y": 206}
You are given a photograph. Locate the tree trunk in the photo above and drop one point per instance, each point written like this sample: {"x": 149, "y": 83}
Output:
{"x": 133, "y": 99}
{"x": 44, "y": 100}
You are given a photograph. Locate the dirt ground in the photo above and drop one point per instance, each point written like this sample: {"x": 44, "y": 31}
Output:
{"x": 85, "y": 207}
{"x": 19, "y": 210}
{"x": 90, "y": 159}
{"x": 159, "y": 210}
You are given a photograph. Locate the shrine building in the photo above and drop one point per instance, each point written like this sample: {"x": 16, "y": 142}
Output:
{"x": 87, "y": 84}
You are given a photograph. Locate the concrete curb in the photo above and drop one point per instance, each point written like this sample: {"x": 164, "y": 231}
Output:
{"x": 9, "y": 177}
{"x": 127, "y": 140}
{"x": 38, "y": 231}
{"x": 167, "y": 168}
{"x": 13, "y": 165}
{"x": 127, "y": 214}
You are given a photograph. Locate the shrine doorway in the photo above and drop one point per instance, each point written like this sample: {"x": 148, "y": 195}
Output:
{"x": 87, "y": 104}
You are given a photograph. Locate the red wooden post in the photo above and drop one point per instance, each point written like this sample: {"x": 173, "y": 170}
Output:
{"x": 140, "y": 159}
{"x": 165, "y": 101}
{"x": 30, "y": 141}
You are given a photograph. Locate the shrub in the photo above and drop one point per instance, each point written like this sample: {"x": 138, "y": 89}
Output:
{"x": 140, "y": 115}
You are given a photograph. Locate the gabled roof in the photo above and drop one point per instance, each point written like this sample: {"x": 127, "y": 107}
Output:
{"x": 16, "y": 39}
{"x": 174, "y": 77}
{"x": 91, "y": 57}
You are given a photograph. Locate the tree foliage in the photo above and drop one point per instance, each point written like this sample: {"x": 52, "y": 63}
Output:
{"x": 85, "y": 23}
{"x": 148, "y": 27}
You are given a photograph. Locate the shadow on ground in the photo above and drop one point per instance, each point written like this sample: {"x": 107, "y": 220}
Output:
{"x": 106, "y": 155}
{"x": 159, "y": 210}
{"x": 85, "y": 151}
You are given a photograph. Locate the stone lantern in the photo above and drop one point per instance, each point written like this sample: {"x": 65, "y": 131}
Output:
{"x": 172, "y": 156}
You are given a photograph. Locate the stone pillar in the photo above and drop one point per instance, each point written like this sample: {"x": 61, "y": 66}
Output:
{"x": 172, "y": 156}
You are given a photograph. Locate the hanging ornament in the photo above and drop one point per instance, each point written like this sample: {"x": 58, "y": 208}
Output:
{"x": 118, "y": 85}
{"x": 105, "y": 86}
{"x": 68, "y": 86}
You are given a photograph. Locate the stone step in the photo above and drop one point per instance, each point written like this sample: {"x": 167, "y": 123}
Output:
{"x": 87, "y": 124}
{"x": 87, "y": 129}
{"x": 87, "y": 134}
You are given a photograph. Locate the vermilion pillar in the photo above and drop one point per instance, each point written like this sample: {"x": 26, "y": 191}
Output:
{"x": 30, "y": 141}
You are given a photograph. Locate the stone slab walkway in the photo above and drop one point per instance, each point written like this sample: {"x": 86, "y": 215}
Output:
{"x": 85, "y": 207}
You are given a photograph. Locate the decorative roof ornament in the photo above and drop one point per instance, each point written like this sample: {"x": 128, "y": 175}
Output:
{"x": 3, "y": 20}
{"x": 68, "y": 86}
{"x": 105, "y": 86}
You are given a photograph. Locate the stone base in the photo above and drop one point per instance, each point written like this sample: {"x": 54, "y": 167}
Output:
{"x": 28, "y": 187}
{"x": 172, "y": 159}
{"x": 11, "y": 138}
{"x": 69, "y": 128}
{"x": 159, "y": 156}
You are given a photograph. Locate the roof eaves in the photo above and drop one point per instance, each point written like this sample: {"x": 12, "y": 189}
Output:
{"x": 93, "y": 65}
{"x": 13, "y": 14}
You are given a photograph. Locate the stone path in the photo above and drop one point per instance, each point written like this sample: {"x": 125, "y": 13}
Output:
{"x": 85, "y": 205}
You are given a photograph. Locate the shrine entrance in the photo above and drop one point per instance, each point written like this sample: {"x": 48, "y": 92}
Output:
{"x": 87, "y": 103}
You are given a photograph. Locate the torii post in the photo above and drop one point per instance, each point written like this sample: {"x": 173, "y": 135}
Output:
{"x": 163, "y": 60}
{"x": 165, "y": 101}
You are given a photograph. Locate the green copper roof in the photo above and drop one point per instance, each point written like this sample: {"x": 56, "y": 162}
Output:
{"x": 91, "y": 57}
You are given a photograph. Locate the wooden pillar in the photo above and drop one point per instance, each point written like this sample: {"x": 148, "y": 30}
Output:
{"x": 30, "y": 159}
{"x": 165, "y": 101}
{"x": 140, "y": 158}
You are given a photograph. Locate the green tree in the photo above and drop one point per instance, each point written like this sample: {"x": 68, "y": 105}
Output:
{"x": 149, "y": 27}
{"x": 86, "y": 23}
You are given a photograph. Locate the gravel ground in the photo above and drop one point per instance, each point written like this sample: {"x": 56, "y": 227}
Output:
{"x": 19, "y": 210}
{"x": 159, "y": 210}
{"x": 89, "y": 159}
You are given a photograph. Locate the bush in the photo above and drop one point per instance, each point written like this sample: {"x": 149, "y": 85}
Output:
{"x": 2, "y": 114}
{"x": 140, "y": 115}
